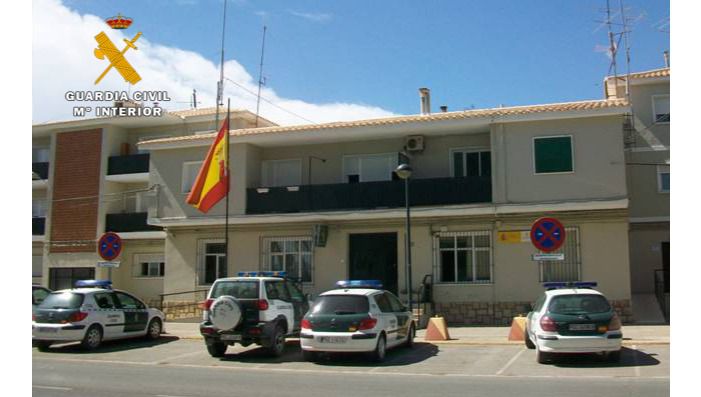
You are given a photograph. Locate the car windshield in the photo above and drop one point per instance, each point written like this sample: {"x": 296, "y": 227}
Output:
{"x": 579, "y": 304}
{"x": 341, "y": 304}
{"x": 240, "y": 289}
{"x": 62, "y": 300}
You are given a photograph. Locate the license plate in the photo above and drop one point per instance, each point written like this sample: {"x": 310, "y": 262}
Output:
{"x": 48, "y": 330}
{"x": 230, "y": 337}
{"x": 582, "y": 327}
{"x": 332, "y": 339}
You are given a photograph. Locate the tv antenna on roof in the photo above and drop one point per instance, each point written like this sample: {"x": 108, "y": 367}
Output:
{"x": 261, "y": 79}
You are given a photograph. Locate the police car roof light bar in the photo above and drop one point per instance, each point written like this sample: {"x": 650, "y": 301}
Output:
{"x": 107, "y": 284}
{"x": 263, "y": 274}
{"x": 570, "y": 284}
{"x": 370, "y": 284}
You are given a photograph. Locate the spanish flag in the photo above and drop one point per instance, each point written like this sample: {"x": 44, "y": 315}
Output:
{"x": 212, "y": 183}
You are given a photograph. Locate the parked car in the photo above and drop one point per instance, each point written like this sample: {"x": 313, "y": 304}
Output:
{"x": 573, "y": 318}
{"x": 260, "y": 308}
{"x": 91, "y": 313}
{"x": 39, "y": 293}
{"x": 358, "y": 316}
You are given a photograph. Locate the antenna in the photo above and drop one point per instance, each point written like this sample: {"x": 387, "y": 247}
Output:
{"x": 613, "y": 49}
{"x": 625, "y": 42}
{"x": 220, "y": 83}
{"x": 194, "y": 98}
{"x": 260, "y": 74}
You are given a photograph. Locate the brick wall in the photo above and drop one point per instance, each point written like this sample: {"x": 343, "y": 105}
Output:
{"x": 76, "y": 175}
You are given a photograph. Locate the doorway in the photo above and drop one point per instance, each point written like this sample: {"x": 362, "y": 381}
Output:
{"x": 373, "y": 256}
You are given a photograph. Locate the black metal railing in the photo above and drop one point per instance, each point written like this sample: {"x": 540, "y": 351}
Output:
{"x": 368, "y": 195}
{"x": 662, "y": 291}
{"x": 424, "y": 300}
{"x": 38, "y": 225}
{"x": 41, "y": 169}
{"x": 129, "y": 222}
{"x": 129, "y": 164}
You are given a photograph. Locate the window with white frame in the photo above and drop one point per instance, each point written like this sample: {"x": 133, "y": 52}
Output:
{"x": 661, "y": 108}
{"x": 663, "y": 178}
{"x": 568, "y": 269}
{"x": 471, "y": 162}
{"x": 212, "y": 261}
{"x": 148, "y": 265}
{"x": 281, "y": 173}
{"x": 369, "y": 167}
{"x": 293, "y": 255}
{"x": 38, "y": 208}
{"x": 190, "y": 171}
{"x": 40, "y": 154}
{"x": 463, "y": 257}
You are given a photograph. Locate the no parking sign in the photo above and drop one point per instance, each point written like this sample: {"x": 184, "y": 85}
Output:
{"x": 109, "y": 246}
{"x": 547, "y": 234}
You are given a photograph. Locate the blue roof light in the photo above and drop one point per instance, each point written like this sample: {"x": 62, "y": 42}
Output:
{"x": 263, "y": 274}
{"x": 107, "y": 284}
{"x": 570, "y": 284}
{"x": 370, "y": 284}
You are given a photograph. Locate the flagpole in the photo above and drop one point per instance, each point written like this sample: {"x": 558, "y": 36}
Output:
{"x": 228, "y": 183}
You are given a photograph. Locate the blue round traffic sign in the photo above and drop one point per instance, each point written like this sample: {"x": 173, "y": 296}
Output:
{"x": 109, "y": 246}
{"x": 547, "y": 234}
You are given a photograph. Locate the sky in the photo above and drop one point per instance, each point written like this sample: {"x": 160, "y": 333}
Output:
{"x": 343, "y": 60}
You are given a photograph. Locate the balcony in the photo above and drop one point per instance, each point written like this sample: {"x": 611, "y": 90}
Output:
{"x": 38, "y": 225}
{"x": 41, "y": 170}
{"x": 128, "y": 169}
{"x": 368, "y": 195}
{"x": 129, "y": 222}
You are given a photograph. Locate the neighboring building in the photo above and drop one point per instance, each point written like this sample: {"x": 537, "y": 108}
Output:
{"x": 90, "y": 176}
{"x": 648, "y": 172}
{"x": 480, "y": 178}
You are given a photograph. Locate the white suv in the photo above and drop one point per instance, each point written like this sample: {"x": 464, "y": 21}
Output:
{"x": 256, "y": 307}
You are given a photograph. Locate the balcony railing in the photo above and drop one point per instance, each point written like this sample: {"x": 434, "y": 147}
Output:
{"x": 130, "y": 164}
{"x": 38, "y": 225}
{"x": 129, "y": 222}
{"x": 41, "y": 170}
{"x": 368, "y": 195}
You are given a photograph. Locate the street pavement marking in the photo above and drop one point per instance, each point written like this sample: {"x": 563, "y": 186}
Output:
{"x": 167, "y": 395}
{"x": 355, "y": 372}
{"x": 52, "y": 387}
{"x": 167, "y": 360}
{"x": 513, "y": 360}
{"x": 635, "y": 362}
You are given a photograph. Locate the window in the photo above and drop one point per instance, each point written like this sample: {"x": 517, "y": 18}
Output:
{"x": 290, "y": 254}
{"x": 240, "y": 289}
{"x": 383, "y": 303}
{"x": 663, "y": 178}
{"x": 553, "y": 154}
{"x": 661, "y": 108}
{"x": 128, "y": 302}
{"x": 40, "y": 155}
{"x": 369, "y": 167}
{"x": 277, "y": 290}
{"x": 38, "y": 295}
{"x": 471, "y": 162}
{"x": 394, "y": 302}
{"x": 38, "y": 208}
{"x": 149, "y": 265}
{"x": 212, "y": 261}
{"x": 463, "y": 257}
{"x": 190, "y": 170}
{"x": 282, "y": 173}
{"x": 65, "y": 277}
{"x": 568, "y": 269}
{"x": 106, "y": 300}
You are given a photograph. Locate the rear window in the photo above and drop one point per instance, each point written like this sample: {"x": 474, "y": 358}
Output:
{"x": 62, "y": 300}
{"x": 341, "y": 304}
{"x": 240, "y": 289}
{"x": 579, "y": 304}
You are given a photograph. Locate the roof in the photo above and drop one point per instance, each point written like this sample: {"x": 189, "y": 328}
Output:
{"x": 389, "y": 121}
{"x": 351, "y": 291}
{"x": 213, "y": 110}
{"x": 649, "y": 74}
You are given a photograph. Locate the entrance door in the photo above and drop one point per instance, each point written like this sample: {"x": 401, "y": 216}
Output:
{"x": 374, "y": 257}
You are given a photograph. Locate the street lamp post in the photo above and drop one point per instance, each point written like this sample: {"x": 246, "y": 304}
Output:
{"x": 403, "y": 171}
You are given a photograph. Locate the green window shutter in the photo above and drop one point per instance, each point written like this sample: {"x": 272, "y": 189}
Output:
{"x": 553, "y": 154}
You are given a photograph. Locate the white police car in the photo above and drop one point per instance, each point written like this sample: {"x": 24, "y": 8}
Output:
{"x": 573, "y": 318}
{"x": 358, "y": 316}
{"x": 256, "y": 307}
{"x": 90, "y": 313}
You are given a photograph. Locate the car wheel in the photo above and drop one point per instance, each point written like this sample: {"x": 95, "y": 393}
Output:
{"x": 410, "y": 337}
{"x": 527, "y": 340}
{"x": 216, "y": 349}
{"x": 277, "y": 342}
{"x": 541, "y": 357}
{"x": 92, "y": 338}
{"x": 380, "y": 350}
{"x": 42, "y": 345}
{"x": 308, "y": 355}
{"x": 154, "y": 329}
{"x": 614, "y": 356}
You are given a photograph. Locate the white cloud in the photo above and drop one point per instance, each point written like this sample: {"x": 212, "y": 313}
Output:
{"x": 313, "y": 16}
{"x": 63, "y": 60}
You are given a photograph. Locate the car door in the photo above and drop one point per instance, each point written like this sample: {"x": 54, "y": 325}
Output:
{"x": 402, "y": 314}
{"x": 109, "y": 314}
{"x": 280, "y": 302}
{"x": 386, "y": 318}
{"x": 135, "y": 314}
{"x": 299, "y": 303}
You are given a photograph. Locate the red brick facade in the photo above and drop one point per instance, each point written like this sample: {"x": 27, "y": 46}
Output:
{"x": 76, "y": 186}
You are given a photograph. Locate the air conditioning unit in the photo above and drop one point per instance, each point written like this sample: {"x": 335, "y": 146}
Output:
{"x": 414, "y": 143}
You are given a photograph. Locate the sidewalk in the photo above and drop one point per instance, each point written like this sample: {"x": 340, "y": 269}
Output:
{"x": 632, "y": 334}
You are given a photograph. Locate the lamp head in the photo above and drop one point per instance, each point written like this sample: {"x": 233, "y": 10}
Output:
{"x": 403, "y": 171}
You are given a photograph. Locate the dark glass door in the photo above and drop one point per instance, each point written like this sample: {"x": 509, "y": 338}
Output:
{"x": 374, "y": 257}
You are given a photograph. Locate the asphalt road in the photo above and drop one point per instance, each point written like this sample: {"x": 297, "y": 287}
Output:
{"x": 182, "y": 368}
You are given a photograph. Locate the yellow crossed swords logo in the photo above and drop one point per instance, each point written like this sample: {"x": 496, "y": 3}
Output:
{"x": 107, "y": 49}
